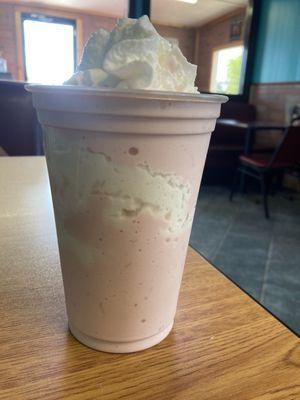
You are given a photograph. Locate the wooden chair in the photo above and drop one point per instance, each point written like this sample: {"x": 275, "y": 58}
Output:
{"x": 264, "y": 166}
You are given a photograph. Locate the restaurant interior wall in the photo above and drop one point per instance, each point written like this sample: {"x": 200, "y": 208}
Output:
{"x": 89, "y": 23}
{"x": 276, "y": 76}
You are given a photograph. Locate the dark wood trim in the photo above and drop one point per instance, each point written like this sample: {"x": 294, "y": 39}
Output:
{"x": 251, "y": 35}
{"x": 137, "y": 8}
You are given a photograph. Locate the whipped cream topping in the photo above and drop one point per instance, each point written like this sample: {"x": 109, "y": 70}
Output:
{"x": 129, "y": 190}
{"x": 134, "y": 56}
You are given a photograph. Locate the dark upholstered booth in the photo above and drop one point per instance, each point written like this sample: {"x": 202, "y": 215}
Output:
{"x": 227, "y": 143}
{"x": 20, "y": 133}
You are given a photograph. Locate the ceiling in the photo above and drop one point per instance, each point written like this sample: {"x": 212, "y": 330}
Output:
{"x": 165, "y": 12}
{"x": 113, "y": 8}
{"x": 179, "y": 13}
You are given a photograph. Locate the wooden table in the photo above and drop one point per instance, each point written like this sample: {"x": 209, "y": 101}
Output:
{"x": 223, "y": 345}
{"x": 251, "y": 128}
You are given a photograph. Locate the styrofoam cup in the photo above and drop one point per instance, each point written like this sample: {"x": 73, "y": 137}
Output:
{"x": 125, "y": 169}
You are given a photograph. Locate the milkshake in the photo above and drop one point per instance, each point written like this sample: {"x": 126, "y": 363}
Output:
{"x": 125, "y": 166}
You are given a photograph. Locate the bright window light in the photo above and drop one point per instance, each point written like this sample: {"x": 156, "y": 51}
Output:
{"x": 49, "y": 51}
{"x": 189, "y": 1}
{"x": 226, "y": 70}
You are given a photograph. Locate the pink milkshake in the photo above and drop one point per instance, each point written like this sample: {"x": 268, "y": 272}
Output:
{"x": 125, "y": 168}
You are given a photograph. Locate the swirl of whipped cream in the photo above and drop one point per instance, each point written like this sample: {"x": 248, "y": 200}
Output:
{"x": 134, "y": 56}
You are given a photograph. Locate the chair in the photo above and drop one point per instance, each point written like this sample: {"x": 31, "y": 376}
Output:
{"x": 264, "y": 166}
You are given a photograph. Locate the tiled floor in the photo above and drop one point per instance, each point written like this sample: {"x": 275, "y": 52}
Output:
{"x": 261, "y": 256}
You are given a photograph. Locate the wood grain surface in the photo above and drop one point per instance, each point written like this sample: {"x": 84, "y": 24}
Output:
{"x": 223, "y": 345}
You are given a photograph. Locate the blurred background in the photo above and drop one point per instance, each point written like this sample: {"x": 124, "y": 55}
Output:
{"x": 247, "y": 220}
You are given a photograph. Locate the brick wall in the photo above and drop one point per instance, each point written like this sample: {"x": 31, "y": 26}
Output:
{"x": 186, "y": 39}
{"x": 210, "y": 36}
{"x": 271, "y": 100}
{"x": 90, "y": 23}
{"x": 8, "y": 37}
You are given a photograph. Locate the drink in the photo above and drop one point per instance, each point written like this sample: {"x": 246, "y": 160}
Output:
{"x": 125, "y": 169}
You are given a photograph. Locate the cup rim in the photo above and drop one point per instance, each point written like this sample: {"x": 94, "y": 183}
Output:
{"x": 125, "y": 93}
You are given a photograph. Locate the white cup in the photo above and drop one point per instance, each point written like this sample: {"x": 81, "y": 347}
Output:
{"x": 125, "y": 169}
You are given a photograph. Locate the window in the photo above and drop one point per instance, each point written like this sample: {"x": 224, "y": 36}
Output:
{"x": 226, "y": 70}
{"x": 49, "y": 48}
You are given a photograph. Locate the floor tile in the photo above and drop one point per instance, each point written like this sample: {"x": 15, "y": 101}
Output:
{"x": 207, "y": 235}
{"x": 283, "y": 300}
{"x": 259, "y": 255}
